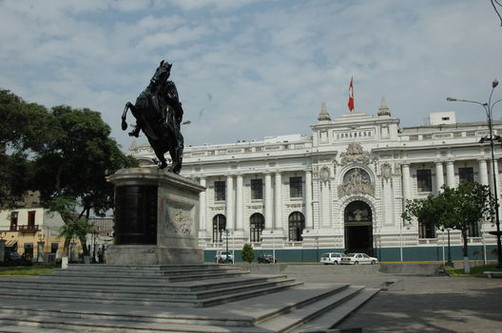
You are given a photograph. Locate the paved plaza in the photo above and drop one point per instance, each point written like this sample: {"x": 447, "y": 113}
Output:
{"x": 422, "y": 303}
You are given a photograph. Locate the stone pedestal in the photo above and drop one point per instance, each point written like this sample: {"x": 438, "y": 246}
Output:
{"x": 156, "y": 218}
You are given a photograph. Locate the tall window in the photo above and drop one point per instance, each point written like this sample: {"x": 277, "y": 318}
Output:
{"x": 219, "y": 226}
{"x": 257, "y": 224}
{"x": 296, "y": 226}
{"x": 13, "y": 221}
{"x": 219, "y": 191}
{"x": 424, "y": 180}
{"x": 466, "y": 174}
{"x": 295, "y": 187}
{"x": 473, "y": 230}
{"x": 426, "y": 230}
{"x": 31, "y": 218}
{"x": 256, "y": 189}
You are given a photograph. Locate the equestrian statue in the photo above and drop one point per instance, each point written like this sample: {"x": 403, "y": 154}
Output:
{"x": 159, "y": 114}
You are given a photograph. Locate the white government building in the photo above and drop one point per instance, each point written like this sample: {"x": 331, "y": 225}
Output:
{"x": 342, "y": 188}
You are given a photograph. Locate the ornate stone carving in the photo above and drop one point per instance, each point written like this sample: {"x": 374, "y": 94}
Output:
{"x": 179, "y": 222}
{"x": 355, "y": 154}
{"x": 324, "y": 174}
{"x": 356, "y": 181}
{"x": 386, "y": 172}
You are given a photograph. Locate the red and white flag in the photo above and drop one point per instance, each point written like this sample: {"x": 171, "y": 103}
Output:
{"x": 351, "y": 95}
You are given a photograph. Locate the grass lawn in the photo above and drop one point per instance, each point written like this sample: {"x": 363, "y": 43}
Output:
{"x": 25, "y": 270}
{"x": 475, "y": 271}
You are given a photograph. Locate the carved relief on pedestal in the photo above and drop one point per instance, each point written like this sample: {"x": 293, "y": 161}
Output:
{"x": 179, "y": 222}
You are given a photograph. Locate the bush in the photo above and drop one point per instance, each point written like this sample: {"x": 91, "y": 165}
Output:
{"x": 247, "y": 253}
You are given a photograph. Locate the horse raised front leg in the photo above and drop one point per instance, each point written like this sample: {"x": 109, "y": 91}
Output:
{"x": 124, "y": 115}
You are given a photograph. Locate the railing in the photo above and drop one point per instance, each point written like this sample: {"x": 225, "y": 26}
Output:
{"x": 28, "y": 228}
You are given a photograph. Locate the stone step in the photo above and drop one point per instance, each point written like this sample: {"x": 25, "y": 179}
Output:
{"x": 246, "y": 303}
{"x": 151, "y": 299}
{"x": 303, "y": 313}
{"x": 300, "y": 305}
{"x": 159, "y": 286}
{"x": 56, "y": 292}
{"x": 150, "y": 271}
{"x": 331, "y": 318}
{"x": 194, "y": 276}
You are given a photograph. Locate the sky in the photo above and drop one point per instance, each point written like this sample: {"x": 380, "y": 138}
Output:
{"x": 248, "y": 69}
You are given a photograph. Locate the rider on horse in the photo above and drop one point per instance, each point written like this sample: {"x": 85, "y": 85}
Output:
{"x": 159, "y": 114}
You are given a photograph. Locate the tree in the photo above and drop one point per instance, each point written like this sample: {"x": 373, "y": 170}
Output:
{"x": 77, "y": 162}
{"x": 64, "y": 153}
{"x": 247, "y": 253}
{"x": 74, "y": 227}
{"x": 26, "y": 127}
{"x": 457, "y": 208}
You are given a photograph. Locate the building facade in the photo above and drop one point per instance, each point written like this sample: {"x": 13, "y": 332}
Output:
{"x": 32, "y": 231}
{"x": 342, "y": 188}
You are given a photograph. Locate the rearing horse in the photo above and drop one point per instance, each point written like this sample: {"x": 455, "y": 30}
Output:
{"x": 158, "y": 114}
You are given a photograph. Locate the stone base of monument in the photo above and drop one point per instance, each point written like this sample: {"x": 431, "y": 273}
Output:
{"x": 142, "y": 255}
{"x": 156, "y": 218}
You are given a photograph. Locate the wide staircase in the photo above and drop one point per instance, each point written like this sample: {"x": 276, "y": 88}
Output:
{"x": 181, "y": 298}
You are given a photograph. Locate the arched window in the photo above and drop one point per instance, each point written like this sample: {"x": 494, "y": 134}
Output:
{"x": 296, "y": 225}
{"x": 219, "y": 226}
{"x": 257, "y": 224}
{"x": 358, "y": 211}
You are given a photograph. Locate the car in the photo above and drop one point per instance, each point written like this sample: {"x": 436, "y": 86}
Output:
{"x": 331, "y": 258}
{"x": 224, "y": 257}
{"x": 358, "y": 258}
{"x": 266, "y": 259}
{"x": 14, "y": 256}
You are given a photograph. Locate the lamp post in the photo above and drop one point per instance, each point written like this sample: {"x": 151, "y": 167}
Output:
{"x": 226, "y": 234}
{"x": 449, "y": 263}
{"x": 488, "y": 106}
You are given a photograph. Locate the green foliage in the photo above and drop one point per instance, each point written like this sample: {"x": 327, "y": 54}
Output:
{"x": 25, "y": 271}
{"x": 247, "y": 253}
{"x": 77, "y": 162}
{"x": 474, "y": 271}
{"x": 24, "y": 131}
{"x": 455, "y": 208}
{"x": 74, "y": 227}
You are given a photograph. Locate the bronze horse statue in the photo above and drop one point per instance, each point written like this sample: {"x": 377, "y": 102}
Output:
{"x": 158, "y": 114}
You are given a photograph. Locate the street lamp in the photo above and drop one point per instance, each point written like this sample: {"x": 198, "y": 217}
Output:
{"x": 449, "y": 263}
{"x": 488, "y": 106}
{"x": 226, "y": 233}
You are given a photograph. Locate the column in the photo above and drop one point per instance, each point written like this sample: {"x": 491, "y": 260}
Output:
{"x": 238, "y": 204}
{"x": 450, "y": 174}
{"x": 202, "y": 207}
{"x": 308, "y": 200}
{"x": 268, "y": 202}
{"x": 439, "y": 175}
{"x": 229, "y": 200}
{"x": 406, "y": 182}
{"x": 278, "y": 201}
{"x": 483, "y": 172}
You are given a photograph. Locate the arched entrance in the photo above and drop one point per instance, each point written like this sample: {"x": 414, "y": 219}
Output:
{"x": 358, "y": 228}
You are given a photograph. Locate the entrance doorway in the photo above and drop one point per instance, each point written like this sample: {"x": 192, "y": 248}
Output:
{"x": 358, "y": 228}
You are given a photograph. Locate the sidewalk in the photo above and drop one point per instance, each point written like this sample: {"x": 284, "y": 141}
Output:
{"x": 430, "y": 304}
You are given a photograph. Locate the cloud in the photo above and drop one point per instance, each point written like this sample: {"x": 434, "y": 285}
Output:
{"x": 267, "y": 65}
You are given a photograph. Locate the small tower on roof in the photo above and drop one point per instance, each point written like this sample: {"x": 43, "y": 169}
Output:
{"x": 384, "y": 109}
{"x": 323, "y": 115}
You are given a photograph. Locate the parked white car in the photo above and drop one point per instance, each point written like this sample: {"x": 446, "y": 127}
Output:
{"x": 358, "y": 258}
{"x": 331, "y": 258}
{"x": 224, "y": 257}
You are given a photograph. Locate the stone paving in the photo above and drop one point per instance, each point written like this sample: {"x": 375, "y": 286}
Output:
{"x": 431, "y": 304}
